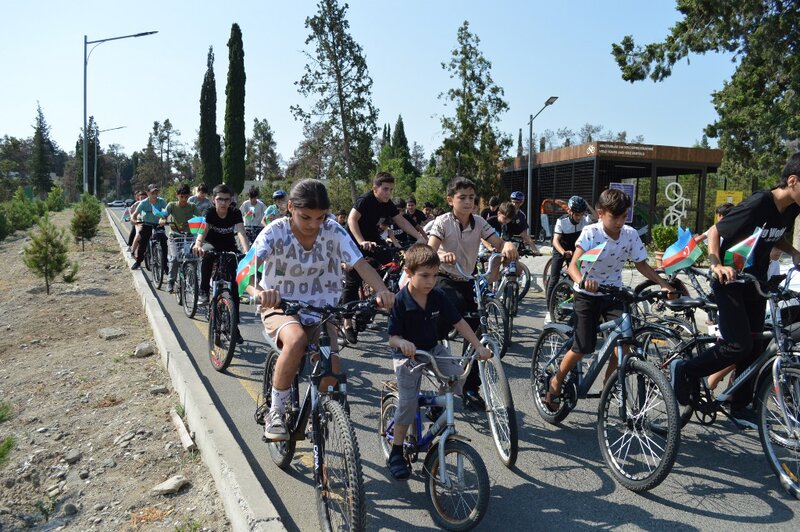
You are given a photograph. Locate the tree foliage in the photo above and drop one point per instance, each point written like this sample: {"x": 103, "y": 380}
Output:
{"x": 47, "y": 253}
{"x": 83, "y": 225}
{"x": 473, "y": 145}
{"x": 263, "y": 161}
{"x": 759, "y": 107}
{"x": 41, "y": 162}
{"x": 233, "y": 161}
{"x": 337, "y": 75}
{"x": 20, "y": 211}
{"x": 209, "y": 139}
{"x": 56, "y": 201}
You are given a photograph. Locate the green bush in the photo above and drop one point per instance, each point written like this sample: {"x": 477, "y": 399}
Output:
{"x": 93, "y": 207}
{"x": 41, "y": 207}
{"x": 47, "y": 253}
{"x": 55, "y": 199}
{"x": 5, "y": 227}
{"x": 20, "y": 211}
{"x": 664, "y": 236}
{"x": 84, "y": 224}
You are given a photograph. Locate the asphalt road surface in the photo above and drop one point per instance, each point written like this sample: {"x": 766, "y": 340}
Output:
{"x": 720, "y": 479}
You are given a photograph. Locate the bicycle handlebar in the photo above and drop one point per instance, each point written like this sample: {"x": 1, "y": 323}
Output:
{"x": 434, "y": 367}
{"x": 349, "y": 310}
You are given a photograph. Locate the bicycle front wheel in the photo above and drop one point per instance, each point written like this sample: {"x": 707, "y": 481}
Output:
{"x": 189, "y": 289}
{"x": 147, "y": 258}
{"x": 500, "y": 409}
{"x": 158, "y": 268}
{"x": 558, "y": 299}
{"x": 524, "y": 280}
{"x": 497, "y": 320}
{"x": 462, "y": 504}
{"x": 640, "y": 443}
{"x": 222, "y": 331}
{"x": 546, "y": 277}
{"x": 340, "y": 484}
{"x": 780, "y": 437}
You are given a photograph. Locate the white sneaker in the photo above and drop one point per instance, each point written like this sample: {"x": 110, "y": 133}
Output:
{"x": 547, "y": 318}
{"x": 274, "y": 427}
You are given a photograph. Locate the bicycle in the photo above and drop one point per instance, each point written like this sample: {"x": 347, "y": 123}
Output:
{"x": 390, "y": 273}
{"x": 323, "y": 418}
{"x": 187, "y": 282}
{"x": 222, "y": 314}
{"x": 500, "y": 408}
{"x": 155, "y": 260}
{"x": 252, "y": 232}
{"x": 456, "y": 480}
{"x": 638, "y": 426}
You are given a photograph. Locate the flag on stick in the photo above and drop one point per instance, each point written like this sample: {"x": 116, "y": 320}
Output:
{"x": 246, "y": 269}
{"x": 682, "y": 254}
{"x": 159, "y": 212}
{"x": 197, "y": 224}
{"x": 126, "y": 214}
{"x": 592, "y": 254}
{"x": 740, "y": 255}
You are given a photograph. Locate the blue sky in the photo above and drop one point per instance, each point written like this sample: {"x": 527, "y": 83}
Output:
{"x": 537, "y": 49}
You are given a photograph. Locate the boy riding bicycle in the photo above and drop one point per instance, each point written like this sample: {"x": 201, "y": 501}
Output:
{"x": 619, "y": 243}
{"x": 302, "y": 256}
{"x": 413, "y": 324}
{"x": 567, "y": 230}
{"x": 180, "y": 211}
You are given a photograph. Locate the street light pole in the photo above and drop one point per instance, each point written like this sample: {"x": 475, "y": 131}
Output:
{"x": 86, "y": 43}
{"x": 550, "y": 101}
{"x": 95, "y": 153}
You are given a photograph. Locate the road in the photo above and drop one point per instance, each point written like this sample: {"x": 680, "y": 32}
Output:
{"x": 720, "y": 479}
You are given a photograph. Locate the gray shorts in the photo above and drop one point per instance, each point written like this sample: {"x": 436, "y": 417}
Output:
{"x": 408, "y": 382}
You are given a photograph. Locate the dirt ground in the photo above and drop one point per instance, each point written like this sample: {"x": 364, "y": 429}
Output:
{"x": 89, "y": 420}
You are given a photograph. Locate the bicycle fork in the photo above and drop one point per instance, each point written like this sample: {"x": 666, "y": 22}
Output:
{"x": 444, "y": 479}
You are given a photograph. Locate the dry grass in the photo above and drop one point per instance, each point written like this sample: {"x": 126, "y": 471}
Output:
{"x": 147, "y": 515}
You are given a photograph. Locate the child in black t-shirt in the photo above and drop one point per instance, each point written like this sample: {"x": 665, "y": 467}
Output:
{"x": 413, "y": 324}
{"x": 741, "y": 309}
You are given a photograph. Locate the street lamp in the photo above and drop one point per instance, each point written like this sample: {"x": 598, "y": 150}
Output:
{"x": 97, "y": 132}
{"x": 550, "y": 101}
{"x": 97, "y": 43}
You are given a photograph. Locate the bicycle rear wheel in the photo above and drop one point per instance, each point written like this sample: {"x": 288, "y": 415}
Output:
{"x": 639, "y": 445}
{"x": 462, "y": 505}
{"x": 222, "y": 330}
{"x": 339, "y": 484}
{"x": 497, "y": 320}
{"x": 546, "y": 277}
{"x": 157, "y": 267}
{"x": 500, "y": 408}
{"x": 780, "y": 438}
{"x": 189, "y": 289}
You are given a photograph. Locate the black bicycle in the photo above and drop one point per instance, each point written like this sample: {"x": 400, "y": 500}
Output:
{"x": 187, "y": 286}
{"x": 223, "y": 316}
{"x": 338, "y": 480}
{"x": 155, "y": 260}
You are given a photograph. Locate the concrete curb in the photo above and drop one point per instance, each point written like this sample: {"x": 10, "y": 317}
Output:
{"x": 246, "y": 504}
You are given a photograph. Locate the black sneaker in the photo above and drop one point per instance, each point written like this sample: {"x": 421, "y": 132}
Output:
{"x": 239, "y": 339}
{"x": 744, "y": 417}
{"x": 351, "y": 335}
{"x": 171, "y": 287}
{"x": 680, "y": 383}
{"x": 136, "y": 265}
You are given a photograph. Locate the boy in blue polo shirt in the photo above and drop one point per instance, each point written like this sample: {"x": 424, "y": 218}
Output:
{"x": 413, "y": 324}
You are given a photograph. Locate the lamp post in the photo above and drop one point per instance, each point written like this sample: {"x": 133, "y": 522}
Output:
{"x": 550, "y": 101}
{"x": 97, "y": 132}
{"x": 97, "y": 43}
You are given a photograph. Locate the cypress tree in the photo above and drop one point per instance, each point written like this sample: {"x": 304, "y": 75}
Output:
{"x": 41, "y": 155}
{"x": 233, "y": 161}
{"x": 209, "y": 139}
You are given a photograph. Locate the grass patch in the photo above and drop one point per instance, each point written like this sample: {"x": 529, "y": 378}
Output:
{"x": 190, "y": 525}
{"x": 180, "y": 410}
{"x": 5, "y": 412}
{"x": 6, "y": 446}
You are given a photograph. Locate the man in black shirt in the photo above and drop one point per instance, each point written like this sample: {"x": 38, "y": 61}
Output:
{"x": 491, "y": 210}
{"x": 506, "y": 225}
{"x": 362, "y": 224}
{"x": 741, "y": 309}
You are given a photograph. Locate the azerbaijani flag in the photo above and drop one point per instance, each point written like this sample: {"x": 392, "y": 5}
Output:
{"x": 592, "y": 254}
{"x": 246, "y": 269}
{"x": 197, "y": 224}
{"x": 248, "y": 216}
{"x": 159, "y": 212}
{"x": 740, "y": 255}
{"x": 682, "y": 254}
{"x": 126, "y": 214}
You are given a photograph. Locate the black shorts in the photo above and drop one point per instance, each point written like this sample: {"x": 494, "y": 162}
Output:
{"x": 588, "y": 311}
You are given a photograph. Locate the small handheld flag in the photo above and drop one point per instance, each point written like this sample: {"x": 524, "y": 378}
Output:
{"x": 246, "y": 269}
{"x": 248, "y": 216}
{"x": 126, "y": 214}
{"x": 592, "y": 254}
{"x": 682, "y": 254}
{"x": 159, "y": 212}
{"x": 197, "y": 224}
{"x": 740, "y": 255}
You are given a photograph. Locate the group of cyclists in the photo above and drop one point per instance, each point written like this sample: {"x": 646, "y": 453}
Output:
{"x": 311, "y": 255}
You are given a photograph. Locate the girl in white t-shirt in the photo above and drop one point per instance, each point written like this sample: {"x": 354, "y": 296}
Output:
{"x": 302, "y": 256}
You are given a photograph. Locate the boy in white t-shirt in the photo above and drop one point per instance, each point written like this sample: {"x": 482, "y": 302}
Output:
{"x": 302, "y": 256}
{"x": 622, "y": 243}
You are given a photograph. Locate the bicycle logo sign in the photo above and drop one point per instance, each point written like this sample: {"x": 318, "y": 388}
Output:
{"x": 676, "y": 211}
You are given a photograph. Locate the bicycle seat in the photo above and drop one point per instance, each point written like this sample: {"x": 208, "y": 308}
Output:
{"x": 685, "y": 302}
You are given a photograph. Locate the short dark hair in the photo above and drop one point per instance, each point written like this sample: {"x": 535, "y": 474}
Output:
{"x": 411, "y": 199}
{"x": 342, "y": 212}
{"x": 614, "y": 201}
{"x": 222, "y": 188}
{"x": 724, "y": 209}
{"x": 253, "y": 193}
{"x": 792, "y": 168}
{"x": 494, "y": 201}
{"x": 310, "y": 194}
{"x": 381, "y": 178}
{"x": 459, "y": 183}
{"x": 507, "y": 208}
{"x": 428, "y": 205}
{"x": 421, "y": 256}
{"x": 202, "y": 187}
{"x": 138, "y": 193}
{"x": 182, "y": 189}
{"x": 400, "y": 203}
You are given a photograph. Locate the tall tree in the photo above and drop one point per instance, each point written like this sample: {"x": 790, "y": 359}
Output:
{"x": 263, "y": 161}
{"x": 473, "y": 146}
{"x": 314, "y": 156}
{"x": 209, "y": 141}
{"x": 759, "y": 107}
{"x": 520, "y": 148}
{"x": 233, "y": 161}
{"x": 337, "y": 75}
{"x": 41, "y": 161}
